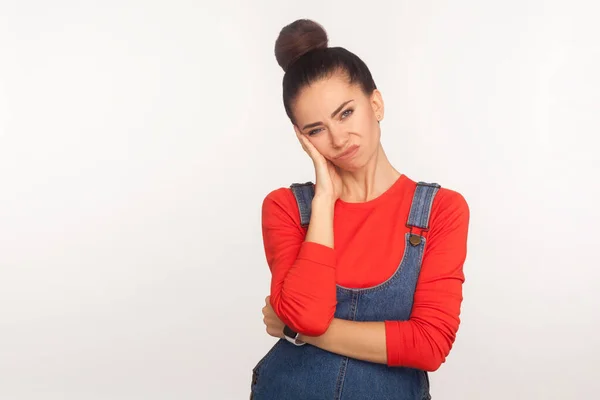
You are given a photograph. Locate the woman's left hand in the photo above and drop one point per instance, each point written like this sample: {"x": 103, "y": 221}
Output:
{"x": 272, "y": 322}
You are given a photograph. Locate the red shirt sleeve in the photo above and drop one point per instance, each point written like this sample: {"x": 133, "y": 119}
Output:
{"x": 425, "y": 340}
{"x": 303, "y": 285}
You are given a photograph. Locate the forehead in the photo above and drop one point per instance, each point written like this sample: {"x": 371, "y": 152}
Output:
{"x": 321, "y": 98}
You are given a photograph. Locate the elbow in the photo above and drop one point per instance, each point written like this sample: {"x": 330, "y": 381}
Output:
{"x": 436, "y": 357}
{"x": 433, "y": 364}
{"x": 312, "y": 324}
{"x": 428, "y": 351}
{"x": 313, "y": 321}
{"x": 307, "y": 318}
{"x": 425, "y": 362}
{"x": 429, "y": 364}
{"x": 437, "y": 344}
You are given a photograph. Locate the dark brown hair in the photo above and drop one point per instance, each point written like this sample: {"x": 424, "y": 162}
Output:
{"x": 301, "y": 50}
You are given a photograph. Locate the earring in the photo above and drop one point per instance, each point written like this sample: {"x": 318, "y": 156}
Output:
{"x": 378, "y": 117}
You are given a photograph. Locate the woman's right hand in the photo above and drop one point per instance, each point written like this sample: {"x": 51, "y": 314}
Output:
{"x": 328, "y": 181}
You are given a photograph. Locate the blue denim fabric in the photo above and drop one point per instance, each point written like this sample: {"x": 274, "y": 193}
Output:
{"x": 289, "y": 372}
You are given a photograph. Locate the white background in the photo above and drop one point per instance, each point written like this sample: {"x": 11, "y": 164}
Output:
{"x": 138, "y": 140}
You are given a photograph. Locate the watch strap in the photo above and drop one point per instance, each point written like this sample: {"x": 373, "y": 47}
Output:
{"x": 292, "y": 336}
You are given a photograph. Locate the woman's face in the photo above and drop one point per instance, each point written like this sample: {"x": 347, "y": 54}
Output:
{"x": 340, "y": 120}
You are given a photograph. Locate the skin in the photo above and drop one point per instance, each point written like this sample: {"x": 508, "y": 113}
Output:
{"x": 362, "y": 177}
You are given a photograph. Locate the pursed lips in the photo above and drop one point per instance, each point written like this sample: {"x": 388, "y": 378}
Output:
{"x": 350, "y": 150}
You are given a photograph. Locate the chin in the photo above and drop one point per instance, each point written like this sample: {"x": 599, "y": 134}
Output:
{"x": 352, "y": 165}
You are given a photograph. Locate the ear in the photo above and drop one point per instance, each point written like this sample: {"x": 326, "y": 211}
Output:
{"x": 377, "y": 103}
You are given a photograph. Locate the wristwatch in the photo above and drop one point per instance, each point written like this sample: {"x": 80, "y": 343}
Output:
{"x": 292, "y": 336}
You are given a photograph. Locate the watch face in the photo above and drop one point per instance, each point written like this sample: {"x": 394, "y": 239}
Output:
{"x": 287, "y": 331}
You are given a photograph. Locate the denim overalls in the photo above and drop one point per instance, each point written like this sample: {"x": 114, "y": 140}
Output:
{"x": 289, "y": 372}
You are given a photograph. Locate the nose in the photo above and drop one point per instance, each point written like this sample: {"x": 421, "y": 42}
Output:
{"x": 339, "y": 138}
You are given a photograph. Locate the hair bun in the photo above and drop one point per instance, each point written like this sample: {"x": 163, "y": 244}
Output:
{"x": 297, "y": 39}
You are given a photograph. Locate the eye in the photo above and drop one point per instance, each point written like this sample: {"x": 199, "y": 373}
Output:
{"x": 347, "y": 113}
{"x": 314, "y": 132}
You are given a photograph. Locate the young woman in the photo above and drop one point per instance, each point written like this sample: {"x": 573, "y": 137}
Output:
{"x": 367, "y": 264}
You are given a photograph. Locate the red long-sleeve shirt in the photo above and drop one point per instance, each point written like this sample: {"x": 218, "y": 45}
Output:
{"x": 368, "y": 247}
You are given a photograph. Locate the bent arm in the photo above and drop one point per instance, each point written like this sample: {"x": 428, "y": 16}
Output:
{"x": 425, "y": 340}
{"x": 303, "y": 287}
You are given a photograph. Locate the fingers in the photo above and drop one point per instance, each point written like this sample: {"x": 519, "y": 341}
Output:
{"x": 306, "y": 144}
{"x": 273, "y": 324}
{"x": 311, "y": 150}
{"x": 266, "y": 309}
{"x": 267, "y": 317}
{"x": 303, "y": 141}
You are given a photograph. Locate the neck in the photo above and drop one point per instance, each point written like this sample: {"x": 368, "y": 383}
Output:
{"x": 370, "y": 181}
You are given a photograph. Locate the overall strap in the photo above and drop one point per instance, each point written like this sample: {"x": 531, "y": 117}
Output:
{"x": 420, "y": 209}
{"x": 418, "y": 217}
{"x": 304, "y": 193}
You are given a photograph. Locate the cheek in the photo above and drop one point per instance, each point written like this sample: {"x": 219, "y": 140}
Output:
{"x": 321, "y": 144}
{"x": 366, "y": 124}
{"x": 370, "y": 131}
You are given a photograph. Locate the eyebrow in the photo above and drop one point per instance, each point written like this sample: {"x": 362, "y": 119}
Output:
{"x": 333, "y": 114}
